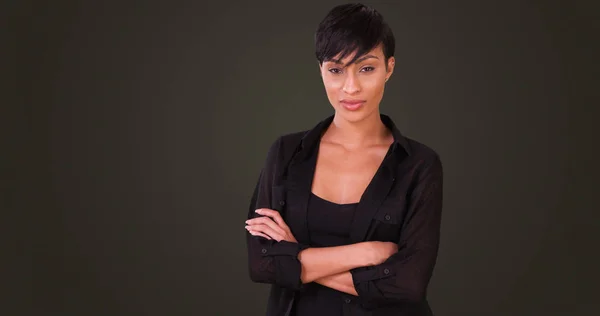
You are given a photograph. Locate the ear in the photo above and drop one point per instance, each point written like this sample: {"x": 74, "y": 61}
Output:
{"x": 390, "y": 67}
{"x": 320, "y": 68}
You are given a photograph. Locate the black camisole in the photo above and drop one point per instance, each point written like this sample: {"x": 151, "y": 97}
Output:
{"x": 328, "y": 225}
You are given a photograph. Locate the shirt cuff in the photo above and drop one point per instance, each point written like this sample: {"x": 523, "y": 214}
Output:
{"x": 365, "y": 274}
{"x": 363, "y": 279}
{"x": 285, "y": 262}
{"x": 283, "y": 248}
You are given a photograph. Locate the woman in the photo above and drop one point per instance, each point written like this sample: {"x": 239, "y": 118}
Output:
{"x": 345, "y": 218}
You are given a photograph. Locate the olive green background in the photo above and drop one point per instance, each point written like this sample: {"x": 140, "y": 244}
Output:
{"x": 139, "y": 129}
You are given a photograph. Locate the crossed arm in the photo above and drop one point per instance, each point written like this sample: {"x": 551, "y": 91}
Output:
{"x": 328, "y": 266}
{"x": 378, "y": 273}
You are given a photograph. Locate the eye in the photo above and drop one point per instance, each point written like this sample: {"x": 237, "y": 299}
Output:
{"x": 367, "y": 69}
{"x": 335, "y": 71}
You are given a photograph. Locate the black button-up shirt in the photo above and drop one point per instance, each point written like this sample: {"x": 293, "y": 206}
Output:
{"x": 402, "y": 204}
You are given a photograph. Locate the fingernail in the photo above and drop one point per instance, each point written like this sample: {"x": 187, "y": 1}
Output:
{"x": 258, "y": 211}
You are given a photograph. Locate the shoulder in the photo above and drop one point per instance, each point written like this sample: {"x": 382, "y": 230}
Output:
{"x": 287, "y": 140}
{"x": 291, "y": 140}
{"x": 421, "y": 150}
{"x": 419, "y": 154}
{"x": 284, "y": 145}
{"x": 424, "y": 157}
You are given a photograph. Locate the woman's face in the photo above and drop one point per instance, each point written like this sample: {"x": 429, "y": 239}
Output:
{"x": 355, "y": 90}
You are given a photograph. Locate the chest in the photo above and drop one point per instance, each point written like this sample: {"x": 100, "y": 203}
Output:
{"x": 375, "y": 181}
{"x": 341, "y": 176}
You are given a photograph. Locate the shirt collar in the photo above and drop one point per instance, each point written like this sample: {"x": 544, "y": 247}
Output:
{"x": 313, "y": 135}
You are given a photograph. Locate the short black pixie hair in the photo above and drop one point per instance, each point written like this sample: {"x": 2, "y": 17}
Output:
{"x": 352, "y": 27}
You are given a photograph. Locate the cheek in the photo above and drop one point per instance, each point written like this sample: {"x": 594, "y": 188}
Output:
{"x": 332, "y": 95}
{"x": 332, "y": 83}
{"x": 332, "y": 90}
{"x": 374, "y": 88}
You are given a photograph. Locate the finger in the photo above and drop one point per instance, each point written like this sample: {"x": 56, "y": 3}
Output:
{"x": 255, "y": 233}
{"x": 267, "y": 221}
{"x": 257, "y": 229}
{"x": 267, "y": 230}
{"x": 276, "y": 216}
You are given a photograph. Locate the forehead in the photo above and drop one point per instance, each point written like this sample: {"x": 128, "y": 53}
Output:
{"x": 377, "y": 51}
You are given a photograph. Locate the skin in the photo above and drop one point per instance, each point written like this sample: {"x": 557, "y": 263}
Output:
{"x": 350, "y": 152}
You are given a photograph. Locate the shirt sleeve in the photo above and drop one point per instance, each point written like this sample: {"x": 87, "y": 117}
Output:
{"x": 270, "y": 261}
{"x": 404, "y": 277}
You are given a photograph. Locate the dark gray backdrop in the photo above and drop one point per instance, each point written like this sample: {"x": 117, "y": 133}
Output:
{"x": 141, "y": 128}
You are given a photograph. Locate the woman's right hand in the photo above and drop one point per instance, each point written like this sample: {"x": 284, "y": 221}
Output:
{"x": 378, "y": 252}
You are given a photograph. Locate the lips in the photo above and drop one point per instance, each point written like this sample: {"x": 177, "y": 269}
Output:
{"x": 352, "y": 105}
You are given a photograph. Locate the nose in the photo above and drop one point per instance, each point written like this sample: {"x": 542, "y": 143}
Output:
{"x": 351, "y": 85}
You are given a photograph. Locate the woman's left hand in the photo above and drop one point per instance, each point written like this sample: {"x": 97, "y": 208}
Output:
{"x": 270, "y": 226}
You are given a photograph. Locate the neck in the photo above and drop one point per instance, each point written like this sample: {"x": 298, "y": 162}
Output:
{"x": 364, "y": 133}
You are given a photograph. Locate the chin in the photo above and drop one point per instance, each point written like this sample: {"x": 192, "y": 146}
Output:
{"x": 354, "y": 116}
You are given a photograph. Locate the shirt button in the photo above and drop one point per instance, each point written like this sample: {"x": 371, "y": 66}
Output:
{"x": 387, "y": 217}
{"x": 386, "y": 271}
{"x": 264, "y": 250}
{"x": 347, "y": 301}
{"x": 282, "y": 203}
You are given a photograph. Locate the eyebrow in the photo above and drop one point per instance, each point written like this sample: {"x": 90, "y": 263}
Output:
{"x": 339, "y": 62}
